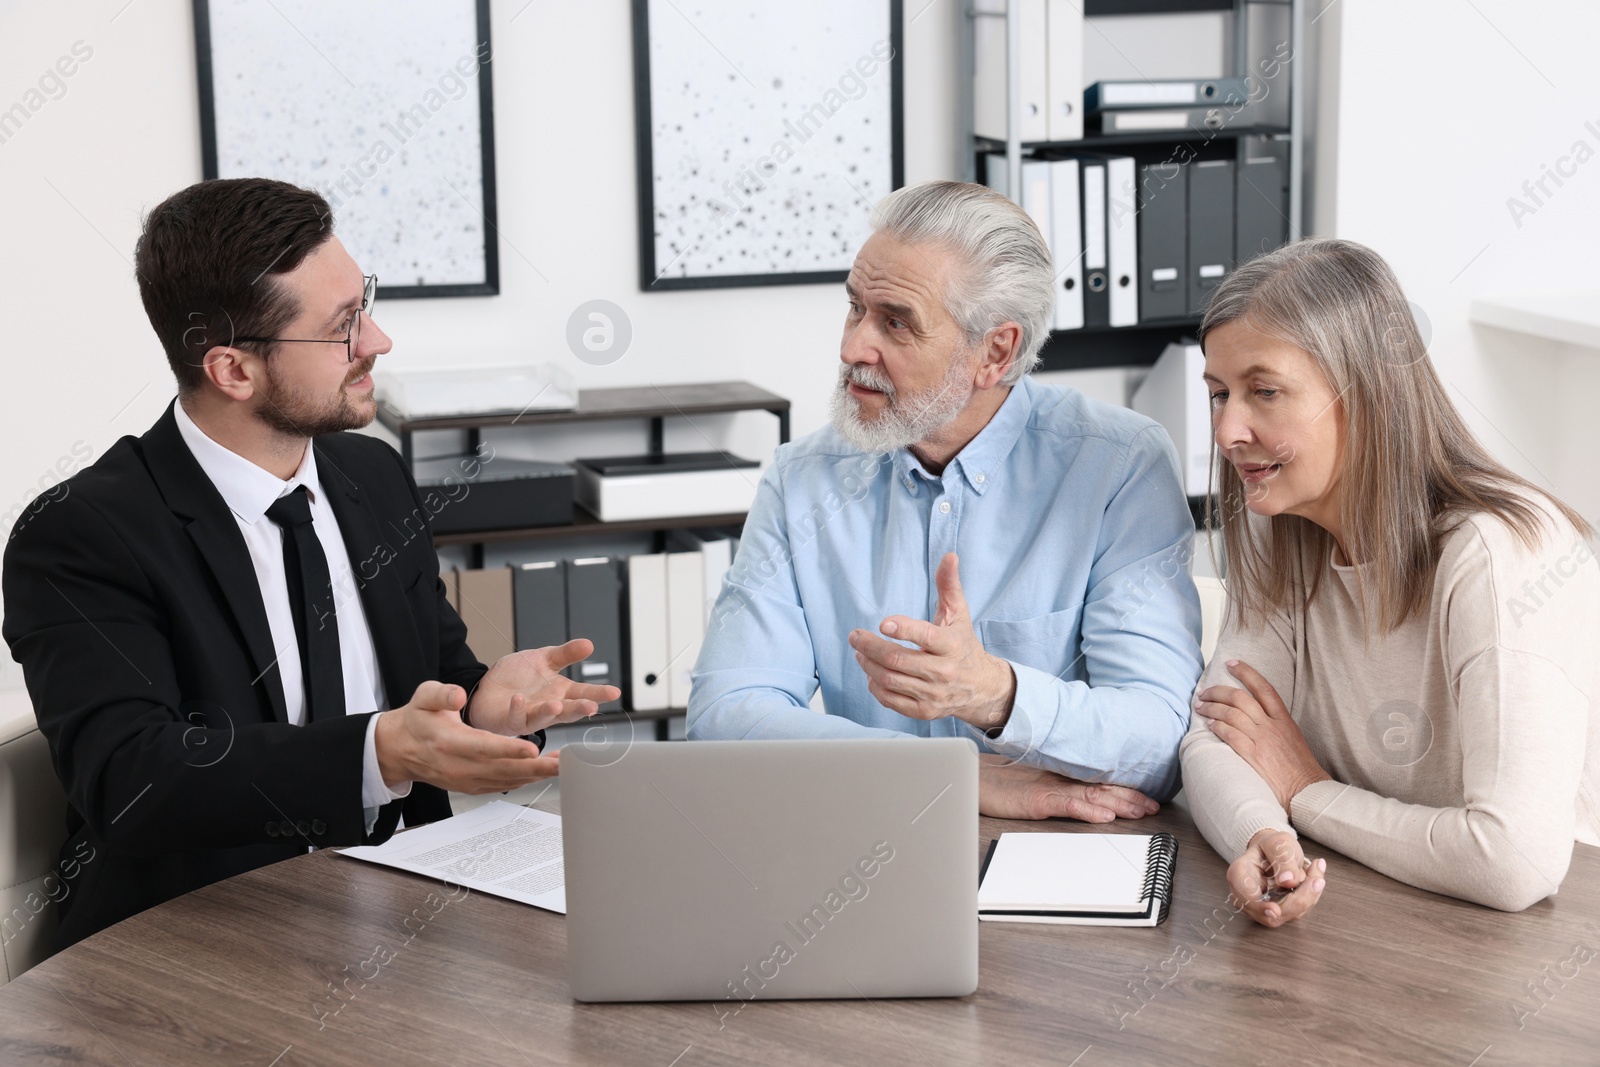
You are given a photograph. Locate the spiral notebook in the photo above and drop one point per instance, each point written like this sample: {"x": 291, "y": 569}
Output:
{"x": 1083, "y": 879}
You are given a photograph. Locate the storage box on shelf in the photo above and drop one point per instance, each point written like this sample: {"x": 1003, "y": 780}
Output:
{"x": 654, "y": 404}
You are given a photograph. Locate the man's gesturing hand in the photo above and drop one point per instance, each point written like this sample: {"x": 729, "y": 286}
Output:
{"x": 1011, "y": 790}
{"x": 526, "y": 691}
{"x": 948, "y": 674}
{"x": 426, "y": 741}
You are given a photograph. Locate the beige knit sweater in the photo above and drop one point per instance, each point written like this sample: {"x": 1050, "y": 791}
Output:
{"x": 1464, "y": 746}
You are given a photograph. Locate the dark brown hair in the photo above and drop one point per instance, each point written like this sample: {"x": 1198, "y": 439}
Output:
{"x": 208, "y": 261}
{"x": 1411, "y": 471}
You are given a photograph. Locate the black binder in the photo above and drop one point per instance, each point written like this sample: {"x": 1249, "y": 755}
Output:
{"x": 1096, "y": 234}
{"x": 1163, "y": 241}
{"x": 594, "y": 610}
{"x": 539, "y": 592}
{"x": 1261, "y": 207}
{"x": 1210, "y": 229}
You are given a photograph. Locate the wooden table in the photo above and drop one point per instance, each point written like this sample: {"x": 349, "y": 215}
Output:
{"x": 314, "y": 961}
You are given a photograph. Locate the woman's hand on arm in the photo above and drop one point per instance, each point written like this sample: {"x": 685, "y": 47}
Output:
{"x": 1273, "y": 882}
{"x": 1256, "y": 725}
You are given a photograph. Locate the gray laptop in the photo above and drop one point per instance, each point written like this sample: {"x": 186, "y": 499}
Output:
{"x": 771, "y": 870}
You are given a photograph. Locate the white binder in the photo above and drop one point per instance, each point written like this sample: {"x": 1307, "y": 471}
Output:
{"x": 1122, "y": 240}
{"x": 989, "y": 72}
{"x": 686, "y": 621}
{"x": 995, "y": 169}
{"x": 1064, "y": 23}
{"x": 647, "y": 632}
{"x": 1035, "y": 191}
{"x": 1066, "y": 243}
{"x": 1050, "y": 197}
{"x": 1036, "y": 195}
{"x": 1175, "y": 395}
{"x": 716, "y": 556}
{"x": 1094, "y": 215}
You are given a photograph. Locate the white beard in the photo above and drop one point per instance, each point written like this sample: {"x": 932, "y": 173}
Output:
{"x": 906, "y": 420}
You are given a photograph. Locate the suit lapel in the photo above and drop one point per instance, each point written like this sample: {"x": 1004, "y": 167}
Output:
{"x": 394, "y": 634}
{"x": 191, "y": 496}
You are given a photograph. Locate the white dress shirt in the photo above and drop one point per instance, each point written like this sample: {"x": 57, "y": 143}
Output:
{"x": 248, "y": 491}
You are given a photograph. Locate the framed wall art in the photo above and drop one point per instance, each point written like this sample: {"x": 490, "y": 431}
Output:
{"x": 385, "y": 107}
{"x": 765, "y": 133}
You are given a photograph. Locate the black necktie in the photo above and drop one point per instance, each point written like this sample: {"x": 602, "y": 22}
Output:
{"x": 316, "y": 624}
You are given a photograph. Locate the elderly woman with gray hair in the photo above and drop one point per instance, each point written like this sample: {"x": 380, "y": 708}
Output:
{"x": 1407, "y": 672}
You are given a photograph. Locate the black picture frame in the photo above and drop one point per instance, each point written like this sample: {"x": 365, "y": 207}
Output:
{"x": 490, "y": 286}
{"x": 645, "y": 180}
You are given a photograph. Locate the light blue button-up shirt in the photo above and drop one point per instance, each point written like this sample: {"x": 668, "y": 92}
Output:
{"x": 1074, "y": 538}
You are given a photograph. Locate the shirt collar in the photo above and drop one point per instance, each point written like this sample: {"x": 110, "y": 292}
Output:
{"x": 983, "y": 456}
{"x": 247, "y": 489}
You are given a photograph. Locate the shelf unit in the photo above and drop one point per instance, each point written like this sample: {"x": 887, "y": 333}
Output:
{"x": 1138, "y": 345}
{"x": 1571, "y": 317}
{"x": 583, "y": 524}
{"x": 654, "y": 403}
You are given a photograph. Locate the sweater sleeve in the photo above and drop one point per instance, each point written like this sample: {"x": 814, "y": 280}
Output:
{"x": 1520, "y": 667}
{"x": 1230, "y": 802}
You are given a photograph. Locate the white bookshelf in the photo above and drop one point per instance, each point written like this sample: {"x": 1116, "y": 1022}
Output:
{"x": 1571, "y": 317}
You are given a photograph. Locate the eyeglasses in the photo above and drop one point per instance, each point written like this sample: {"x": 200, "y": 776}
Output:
{"x": 352, "y": 329}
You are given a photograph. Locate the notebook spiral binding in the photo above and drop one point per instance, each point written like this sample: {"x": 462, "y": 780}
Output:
{"x": 1160, "y": 865}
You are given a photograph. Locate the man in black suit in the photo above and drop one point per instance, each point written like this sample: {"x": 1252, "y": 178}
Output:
{"x": 211, "y": 618}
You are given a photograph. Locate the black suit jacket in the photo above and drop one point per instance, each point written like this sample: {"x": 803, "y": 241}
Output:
{"x": 132, "y": 605}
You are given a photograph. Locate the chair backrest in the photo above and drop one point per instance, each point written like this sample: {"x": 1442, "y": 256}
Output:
{"x": 1213, "y": 606}
{"x": 33, "y": 825}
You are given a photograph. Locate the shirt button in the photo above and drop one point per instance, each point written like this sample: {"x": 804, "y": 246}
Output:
{"x": 911, "y": 485}
{"x": 944, "y": 507}
{"x": 318, "y": 827}
{"x": 272, "y": 829}
{"x": 978, "y": 478}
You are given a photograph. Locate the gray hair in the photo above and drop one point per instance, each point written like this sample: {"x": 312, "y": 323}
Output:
{"x": 1411, "y": 469}
{"x": 1008, "y": 276}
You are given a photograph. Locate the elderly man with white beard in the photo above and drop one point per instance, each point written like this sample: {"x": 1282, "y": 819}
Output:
{"x": 965, "y": 552}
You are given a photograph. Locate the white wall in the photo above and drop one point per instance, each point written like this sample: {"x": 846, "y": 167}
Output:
{"x": 1444, "y": 111}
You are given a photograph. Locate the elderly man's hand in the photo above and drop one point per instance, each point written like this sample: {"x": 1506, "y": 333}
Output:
{"x": 1011, "y": 790}
{"x": 948, "y": 673}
